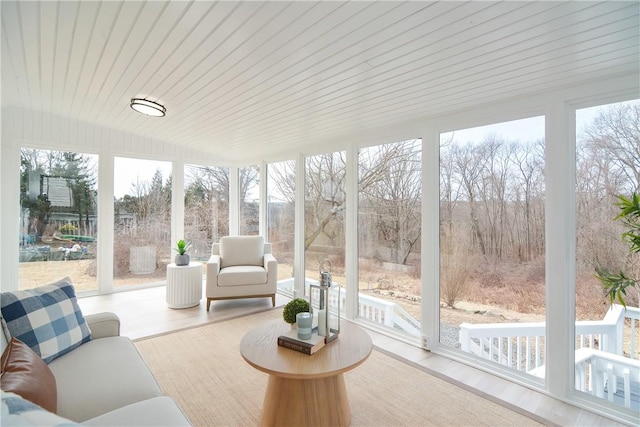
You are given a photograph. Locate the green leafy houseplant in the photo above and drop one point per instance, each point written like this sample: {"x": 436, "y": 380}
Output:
{"x": 616, "y": 284}
{"x": 181, "y": 247}
{"x": 293, "y": 307}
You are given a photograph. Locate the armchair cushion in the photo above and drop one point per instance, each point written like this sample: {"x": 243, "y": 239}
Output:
{"x": 242, "y": 275}
{"x": 241, "y": 250}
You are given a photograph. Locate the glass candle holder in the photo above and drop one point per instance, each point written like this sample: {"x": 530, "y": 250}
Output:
{"x": 304, "y": 321}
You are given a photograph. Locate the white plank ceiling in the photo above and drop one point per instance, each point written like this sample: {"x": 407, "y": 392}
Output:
{"x": 254, "y": 78}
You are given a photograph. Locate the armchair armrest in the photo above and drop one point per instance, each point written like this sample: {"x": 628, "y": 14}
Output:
{"x": 103, "y": 325}
{"x": 271, "y": 265}
{"x": 270, "y": 262}
{"x": 213, "y": 269}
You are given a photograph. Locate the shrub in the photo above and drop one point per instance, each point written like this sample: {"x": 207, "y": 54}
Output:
{"x": 293, "y": 307}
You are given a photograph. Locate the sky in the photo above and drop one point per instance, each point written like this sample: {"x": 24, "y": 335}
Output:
{"x": 129, "y": 171}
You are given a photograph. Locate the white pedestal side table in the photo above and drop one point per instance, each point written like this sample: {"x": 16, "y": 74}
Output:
{"x": 184, "y": 285}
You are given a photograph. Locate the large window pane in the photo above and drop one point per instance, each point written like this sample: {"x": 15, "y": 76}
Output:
{"x": 389, "y": 232}
{"x": 608, "y": 166}
{"x": 492, "y": 249}
{"x": 324, "y": 214}
{"x": 281, "y": 185}
{"x": 206, "y": 208}
{"x": 58, "y": 218}
{"x": 142, "y": 223}
{"x": 249, "y": 200}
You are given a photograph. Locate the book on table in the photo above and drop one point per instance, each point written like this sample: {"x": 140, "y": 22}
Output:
{"x": 290, "y": 340}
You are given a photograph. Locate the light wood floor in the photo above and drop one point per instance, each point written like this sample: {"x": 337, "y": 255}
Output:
{"x": 144, "y": 312}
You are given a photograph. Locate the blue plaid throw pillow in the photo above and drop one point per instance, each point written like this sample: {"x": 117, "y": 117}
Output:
{"x": 47, "y": 319}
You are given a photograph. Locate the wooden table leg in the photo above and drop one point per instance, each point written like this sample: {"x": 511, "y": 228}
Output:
{"x": 311, "y": 402}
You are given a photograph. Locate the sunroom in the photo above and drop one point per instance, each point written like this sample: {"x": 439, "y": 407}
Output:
{"x": 457, "y": 163}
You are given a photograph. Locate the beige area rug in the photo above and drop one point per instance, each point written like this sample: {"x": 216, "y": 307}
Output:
{"x": 202, "y": 369}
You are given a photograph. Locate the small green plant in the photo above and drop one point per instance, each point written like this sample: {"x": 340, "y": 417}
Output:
{"x": 293, "y": 307}
{"x": 616, "y": 284}
{"x": 181, "y": 247}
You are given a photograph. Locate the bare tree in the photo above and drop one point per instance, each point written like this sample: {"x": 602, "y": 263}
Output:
{"x": 391, "y": 189}
{"x": 616, "y": 130}
{"x": 206, "y": 207}
{"x": 324, "y": 198}
{"x": 608, "y": 165}
{"x": 528, "y": 160}
{"x": 249, "y": 178}
{"x": 468, "y": 166}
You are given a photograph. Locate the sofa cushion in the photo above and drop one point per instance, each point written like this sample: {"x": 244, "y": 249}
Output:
{"x": 100, "y": 376}
{"x": 26, "y": 374}
{"x": 242, "y": 275}
{"x": 241, "y": 250}
{"x": 17, "y": 411}
{"x": 157, "y": 412}
{"x": 47, "y": 319}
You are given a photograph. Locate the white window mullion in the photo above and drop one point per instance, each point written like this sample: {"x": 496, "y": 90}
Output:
{"x": 106, "y": 211}
{"x": 234, "y": 200}
{"x": 351, "y": 234}
{"x": 262, "y": 203}
{"x": 560, "y": 230}
{"x": 177, "y": 202}
{"x": 430, "y": 240}
{"x": 298, "y": 245}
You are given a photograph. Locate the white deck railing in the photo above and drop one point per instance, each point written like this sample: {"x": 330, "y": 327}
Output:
{"x": 606, "y": 350}
{"x": 599, "y": 373}
{"x": 376, "y": 310}
{"x": 521, "y": 345}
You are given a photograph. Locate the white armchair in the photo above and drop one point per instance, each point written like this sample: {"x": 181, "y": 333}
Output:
{"x": 241, "y": 267}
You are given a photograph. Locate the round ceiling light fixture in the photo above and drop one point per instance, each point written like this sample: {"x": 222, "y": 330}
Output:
{"x": 147, "y": 107}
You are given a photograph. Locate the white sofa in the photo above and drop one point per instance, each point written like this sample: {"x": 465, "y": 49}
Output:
{"x": 105, "y": 382}
{"x": 241, "y": 267}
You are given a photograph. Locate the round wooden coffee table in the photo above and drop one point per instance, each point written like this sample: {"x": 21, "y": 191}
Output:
{"x": 305, "y": 390}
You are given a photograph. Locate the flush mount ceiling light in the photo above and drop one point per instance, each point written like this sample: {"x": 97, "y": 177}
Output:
{"x": 147, "y": 107}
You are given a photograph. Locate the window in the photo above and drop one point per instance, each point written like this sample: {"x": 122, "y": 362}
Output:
{"x": 58, "y": 218}
{"x": 249, "y": 200}
{"x": 324, "y": 214}
{"x": 492, "y": 248}
{"x": 142, "y": 221}
{"x": 607, "y": 166}
{"x": 206, "y": 208}
{"x": 389, "y": 232}
{"x": 281, "y": 180}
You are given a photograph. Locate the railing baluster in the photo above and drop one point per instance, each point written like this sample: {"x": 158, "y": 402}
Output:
{"x": 510, "y": 350}
{"x": 611, "y": 383}
{"x": 486, "y": 342}
{"x": 519, "y": 344}
{"x": 627, "y": 389}
{"x": 632, "y": 350}
{"x": 537, "y": 351}
{"x": 528, "y": 356}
